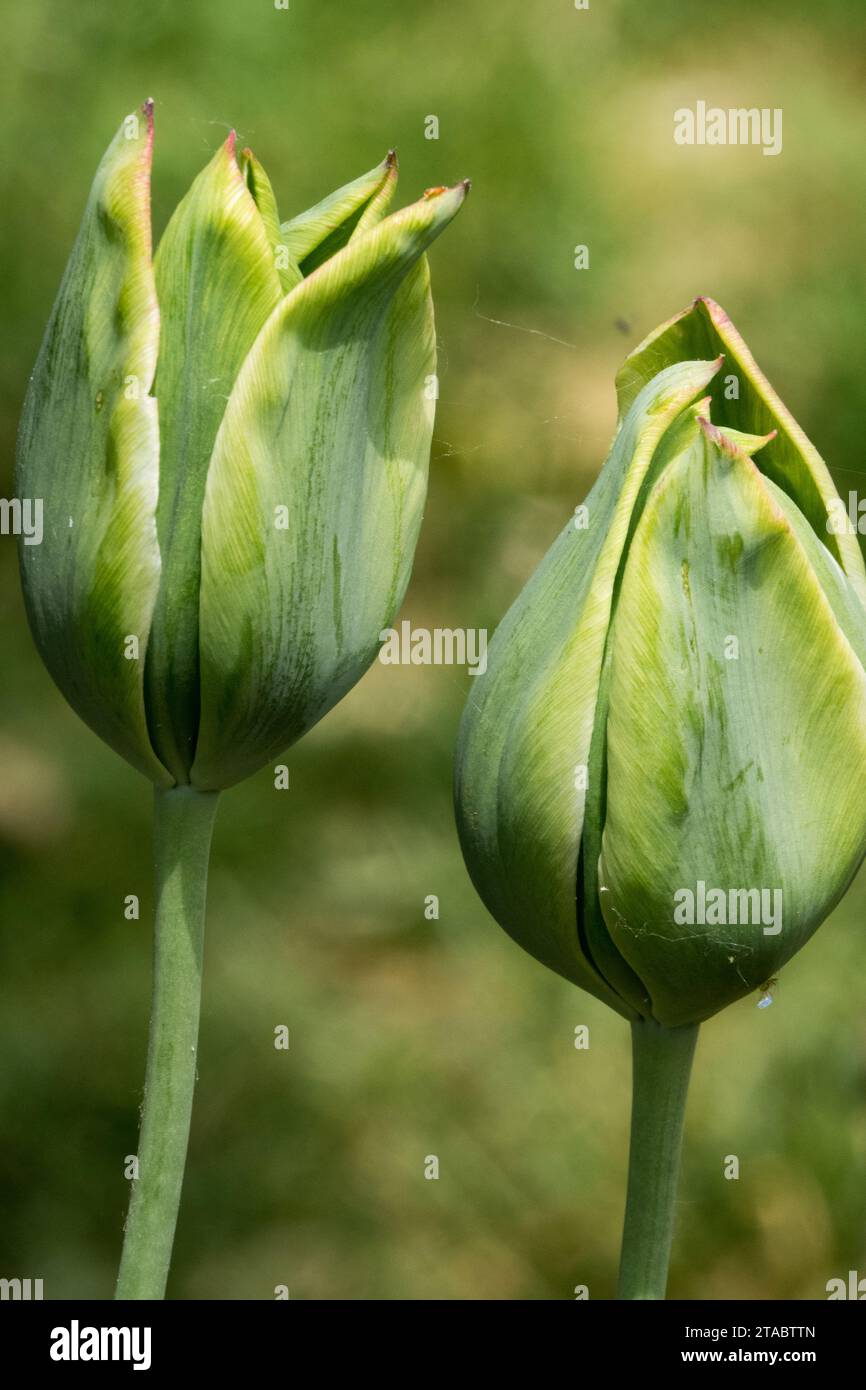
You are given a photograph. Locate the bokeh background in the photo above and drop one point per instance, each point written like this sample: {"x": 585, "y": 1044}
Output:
{"x": 412, "y": 1037}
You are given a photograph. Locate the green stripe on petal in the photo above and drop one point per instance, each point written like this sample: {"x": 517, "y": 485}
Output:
{"x": 217, "y": 284}
{"x": 88, "y": 447}
{"x": 315, "y": 494}
{"x": 527, "y": 730}
{"x": 735, "y": 738}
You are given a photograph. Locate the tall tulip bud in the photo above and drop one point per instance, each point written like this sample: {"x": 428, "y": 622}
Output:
{"x": 231, "y": 441}
{"x": 658, "y": 779}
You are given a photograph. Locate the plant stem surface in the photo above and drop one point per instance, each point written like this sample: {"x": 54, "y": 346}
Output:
{"x": 183, "y": 825}
{"x": 662, "y": 1062}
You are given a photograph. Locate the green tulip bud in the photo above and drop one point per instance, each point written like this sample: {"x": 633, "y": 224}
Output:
{"x": 231, "y": 439}
{"x": 658, "y": 782}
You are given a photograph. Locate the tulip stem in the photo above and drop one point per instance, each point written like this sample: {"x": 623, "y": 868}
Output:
{"x": 661, "y": 1064}
{"x": 183, "y": 824}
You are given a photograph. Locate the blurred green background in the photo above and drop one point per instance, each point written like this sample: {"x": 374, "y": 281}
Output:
{"x": 412, "y": 1037}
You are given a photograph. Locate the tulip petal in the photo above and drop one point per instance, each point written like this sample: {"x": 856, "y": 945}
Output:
{"x": 791, "y": 460}
{"x": 315, "y": 493}
{"x": 732, "y": 766}
{"x": 316, "y": 235}
{"x": 841, "y": 594}
{"x": 260, "y": 187}
{"x": 88, "y": 447}
{"x": 594, "y": 931}
{"x": 528, "y": 727}
{"x": 217, "y": 284}
{"x": 838, "y": 588}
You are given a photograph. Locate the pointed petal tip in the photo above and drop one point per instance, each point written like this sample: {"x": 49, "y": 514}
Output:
{"x": 717, "y": 437}
{"x": 741, "y": 447}
{"x": 461, "y": 189}
{"x": 439, "y": 204}
{"x": 713, "y": 309}
{"x": 147, "y": 112}
{"x": 390, "y": 161}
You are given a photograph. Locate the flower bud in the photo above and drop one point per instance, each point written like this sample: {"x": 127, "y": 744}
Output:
{"x": 658, "y": 778}
{"x": 231, "y": 439}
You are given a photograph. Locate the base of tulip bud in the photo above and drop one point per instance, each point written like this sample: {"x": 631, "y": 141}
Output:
{"x": 661, "y": 1067}
{"x": 183, "y": 825}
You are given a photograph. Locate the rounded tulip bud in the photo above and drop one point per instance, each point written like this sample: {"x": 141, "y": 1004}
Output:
{"x": 658, "y": 778}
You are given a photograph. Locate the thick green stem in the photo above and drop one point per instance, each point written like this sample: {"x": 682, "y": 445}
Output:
{"x": 662, "y": 1061}
{"x": 183, "y": 824}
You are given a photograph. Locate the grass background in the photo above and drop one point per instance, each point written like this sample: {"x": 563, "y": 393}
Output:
{"x": 411, "y": 1037}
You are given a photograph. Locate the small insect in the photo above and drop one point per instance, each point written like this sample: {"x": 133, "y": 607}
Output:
{"x": 766, "y": 989}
